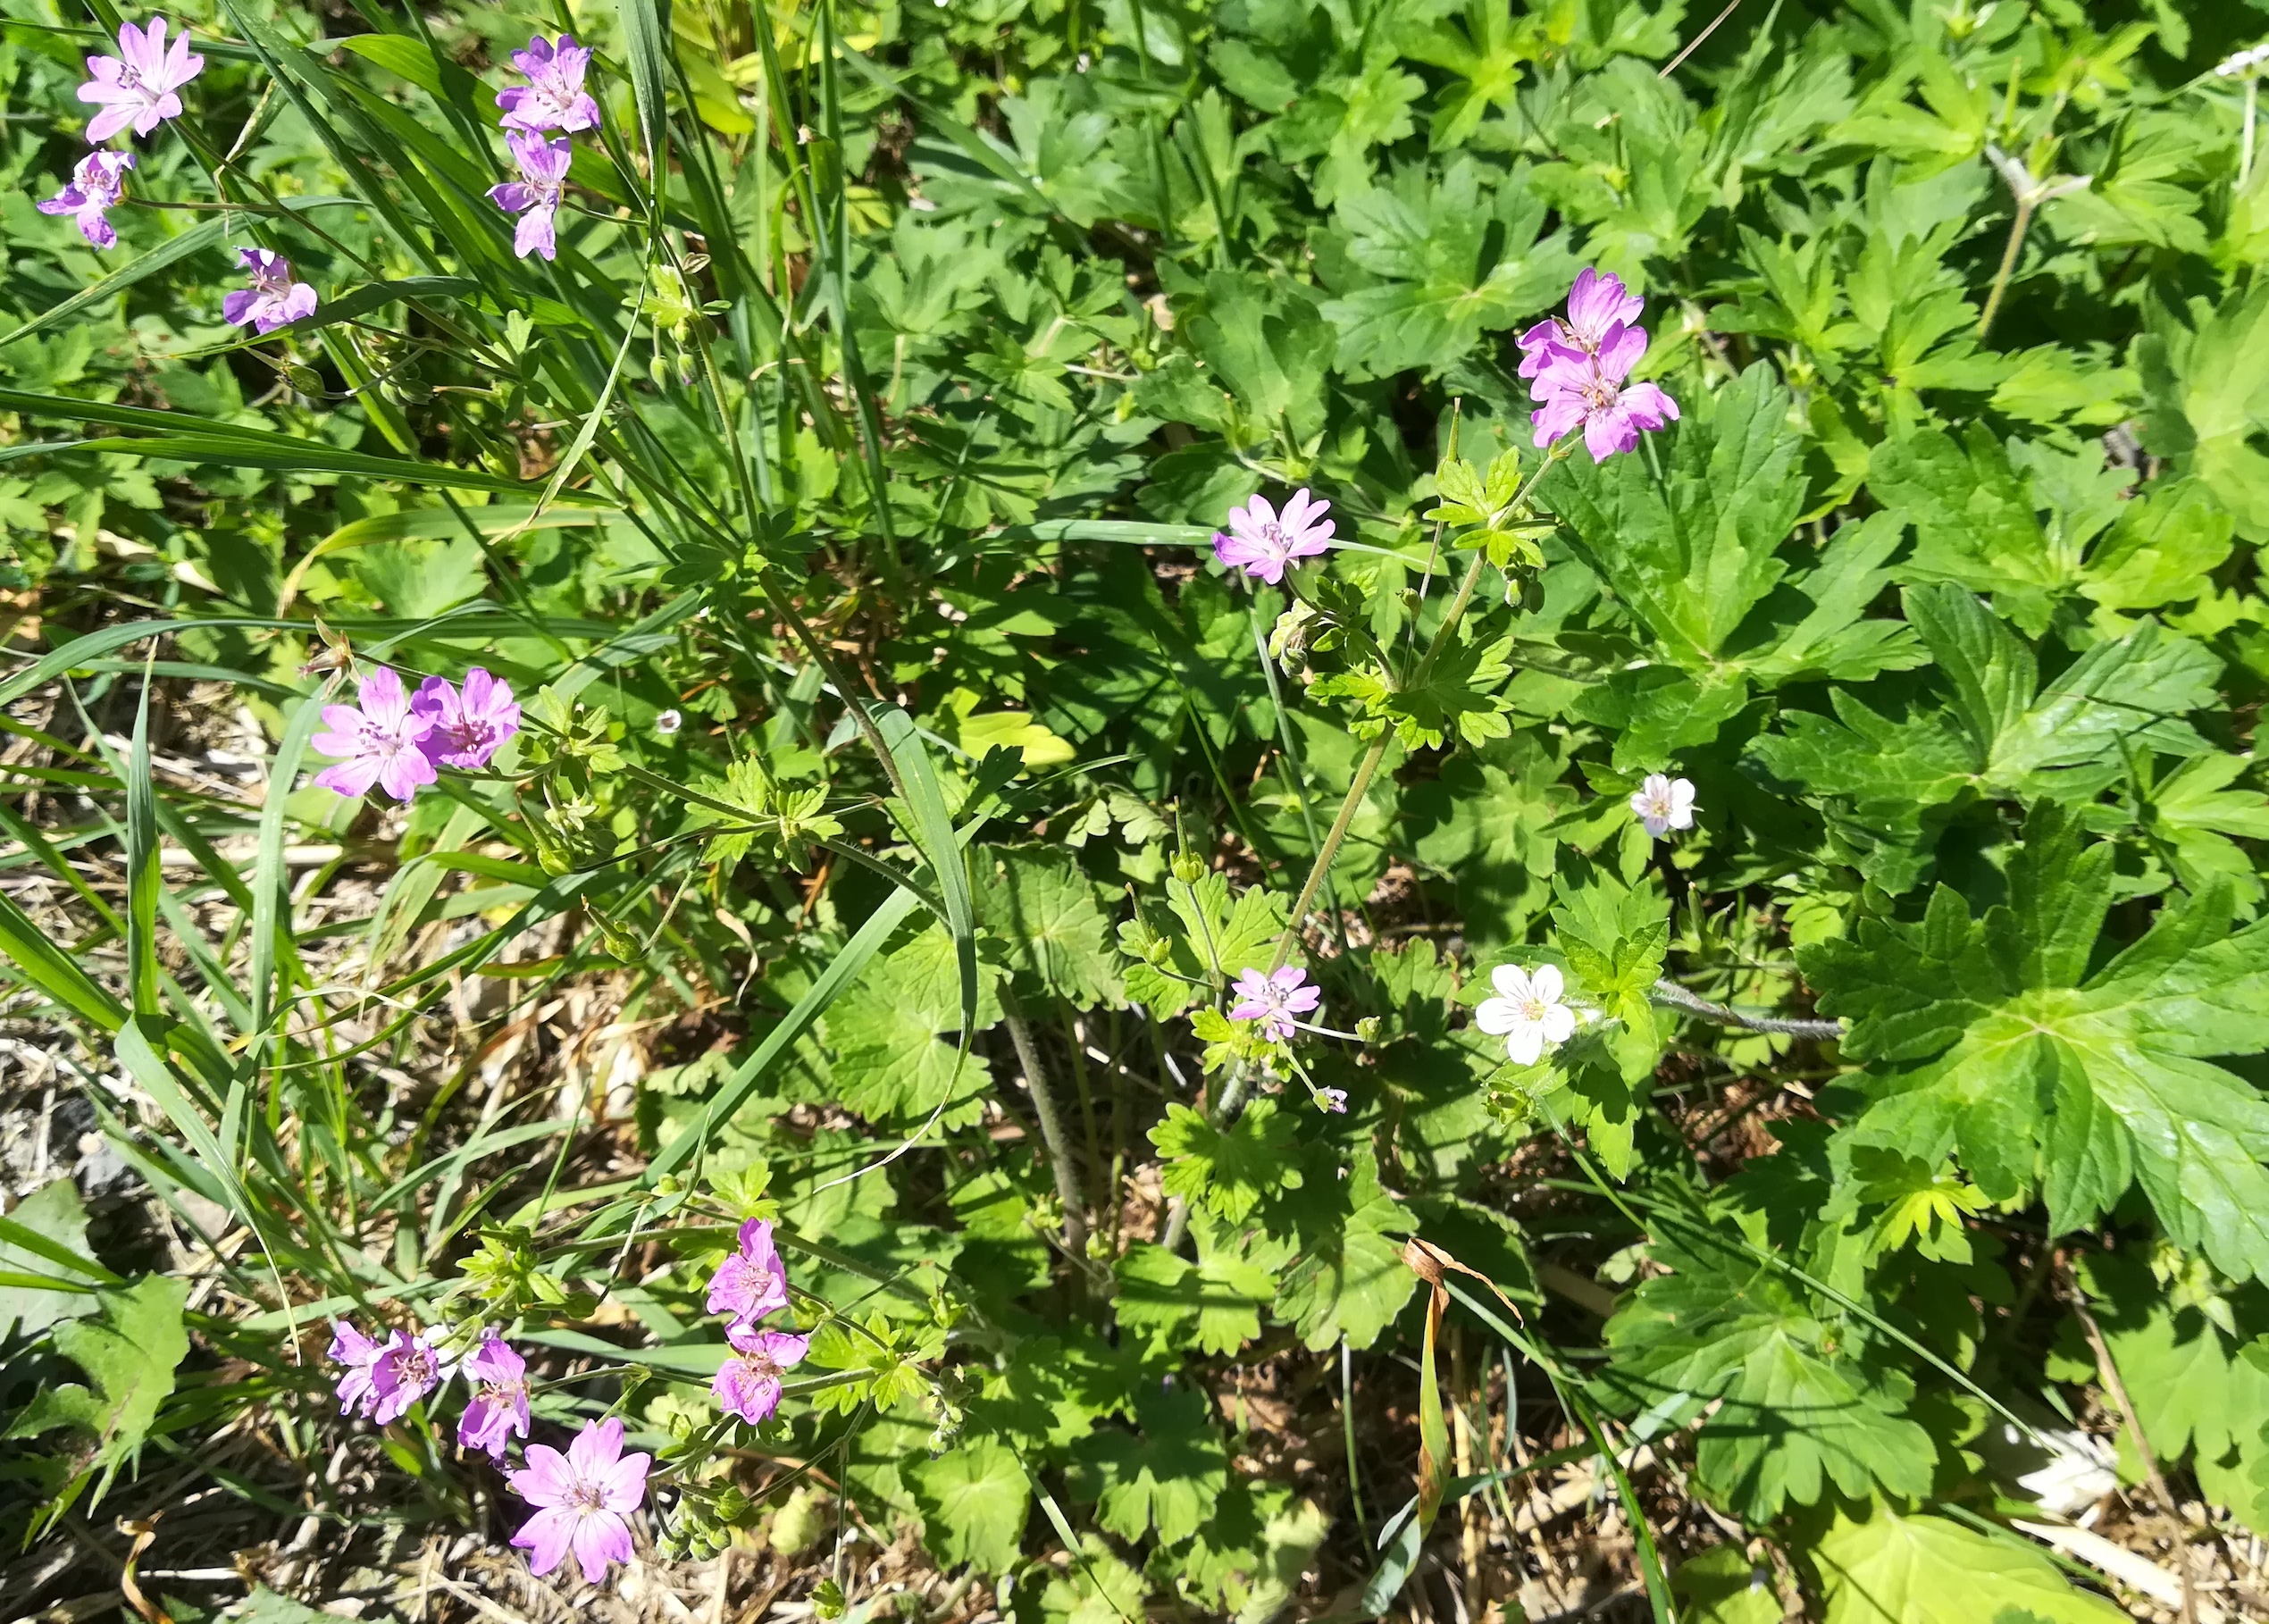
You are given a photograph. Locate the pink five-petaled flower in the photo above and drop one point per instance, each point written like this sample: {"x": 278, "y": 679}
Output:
{"x": 753, "y": 1282}
{"x": 1595, "y": 305}
{"x": 468, "y": 726}
{"x": 136, "y": 87}
{"x": 274, "y": 299}
{"x": 1589, "y": 391}
{"x": 499, "y": 1408}
{"x": 554, "y": 97}
{"x": 748, "y": 1383}
{"x": 1261, "y": 543}
{"x": 405, "y": 1371}
{"x": 535, "y": 196}
{"x": 357, "y": 1352}
{"x": 1273, "y": 1000}
{"x": 96, "y": 187}
{"x": 379, "y": 740}
{"x": 583, "y": 1500}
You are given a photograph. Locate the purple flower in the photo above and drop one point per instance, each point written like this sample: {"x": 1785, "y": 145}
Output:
{"x": 1274, "y": 1000}
{"x": 748, "y": 1383}
{"x": 468, "y": 727}
{"x": 137, "y": 85}
{"x": 554, "y": 97}
{"x": 380, "y": 741}
{"x": 96, "y": 187}
{"x": 1260, "y": 543}
{"x": 274, "y": 299}
{"x": 753, "y": 1282}
{"x": 499, "y": 1408}
{"x": 1595, "y": 305}
{"x": 583, "y": 1498}
{"x": 357, "y": 1352}
{"x": 535, "y": 196}
{"x": 1589, "y": 391}
{"x": 405, "y": 1371}
{"x": 1332, "y": 1099}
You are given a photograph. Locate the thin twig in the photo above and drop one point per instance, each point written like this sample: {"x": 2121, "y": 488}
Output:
{"x": 2118, "y": 1390}
{"x": 1672, "y": 996}
{"x": 1695, "y": 43}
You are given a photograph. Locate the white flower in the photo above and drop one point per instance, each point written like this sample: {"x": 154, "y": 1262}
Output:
{"x": 668, "y": 722}
{"x": 1663, "y": 804}
{"x": 1527, "y": 1011}
{"x": 2243, "y": 63}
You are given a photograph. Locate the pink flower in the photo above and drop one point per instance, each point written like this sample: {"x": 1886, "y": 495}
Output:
{"x": 96, "y": 187}
{"x": 468, "y": 727}
{"x": 499, "y": 1408}
{"x": 1332, "y": 1099}
{"x": 748, "y": 1383}
{"x": 137, "y": 85}
{"x": 357, "y": 1352}
{"x": 274, "y": 299}
{"x": 1589, "y": 391}
{"x": 381, "y": 741}
{"x": 554, "y": 98}
{"x": 405, "y": 1371}
{"x": 535, "y": 196}
{"x": 1260, "y": 543}
{"x": 1274, "y": 1000}
{"x": 1594, "y": 305}
{"x": 583, "y": 1498}
{"x": 753, "y": 1282}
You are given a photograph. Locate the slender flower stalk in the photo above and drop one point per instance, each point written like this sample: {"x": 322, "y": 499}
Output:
{"x": 2028, "y": 193}
{"x": 1235, "y": 1091}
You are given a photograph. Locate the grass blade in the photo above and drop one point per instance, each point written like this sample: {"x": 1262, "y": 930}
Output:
{"x": 143, "y": 880}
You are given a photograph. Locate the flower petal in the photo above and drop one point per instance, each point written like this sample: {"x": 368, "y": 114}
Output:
{"x": 1547, "y": 982}
{"x": 546, "y": 1537}
{"x": 1497, "y": 1015}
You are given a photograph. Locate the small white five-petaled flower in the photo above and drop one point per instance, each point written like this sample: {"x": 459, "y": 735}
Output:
{"x": 1664, "y": 803}
{"x": 1527, "y": 1011}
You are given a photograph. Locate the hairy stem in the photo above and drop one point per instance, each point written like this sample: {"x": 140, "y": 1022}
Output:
{"x": 2008, "y": 264}
{"x": 1672, "y": 995}
{"x": 1060, "y": 1162}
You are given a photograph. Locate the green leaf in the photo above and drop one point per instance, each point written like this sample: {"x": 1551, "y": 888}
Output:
{"x": 1349, "y": 1280}
{"x": 1248, "y": 1559}
{"x": 974, "y": 1501}
{"x": 52, "y": 1213}
{"x": 1166, "y": 1476}
{"x": 2165, "y": 545}
{"x": 1041, "y": 904}
{"x": 2206, "y": 392}
{"x": 1723, "y": 1586}
{"x": 890, "y": 1061}
{"x": 1797, "y": 1416}
{"x": 1450, "y": 265}
{"x": 1973, "y": 521}
{"x": 130, "y": 1356}
{"x": 1458, "y": 695}
{"x": 1213, "y": 1303}
{"x": 1897, "y": 1570}
{"x": 1691, "y": 556}
{"x": 1227, "y": 1171}
{"x": 1991, "y": 1040}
